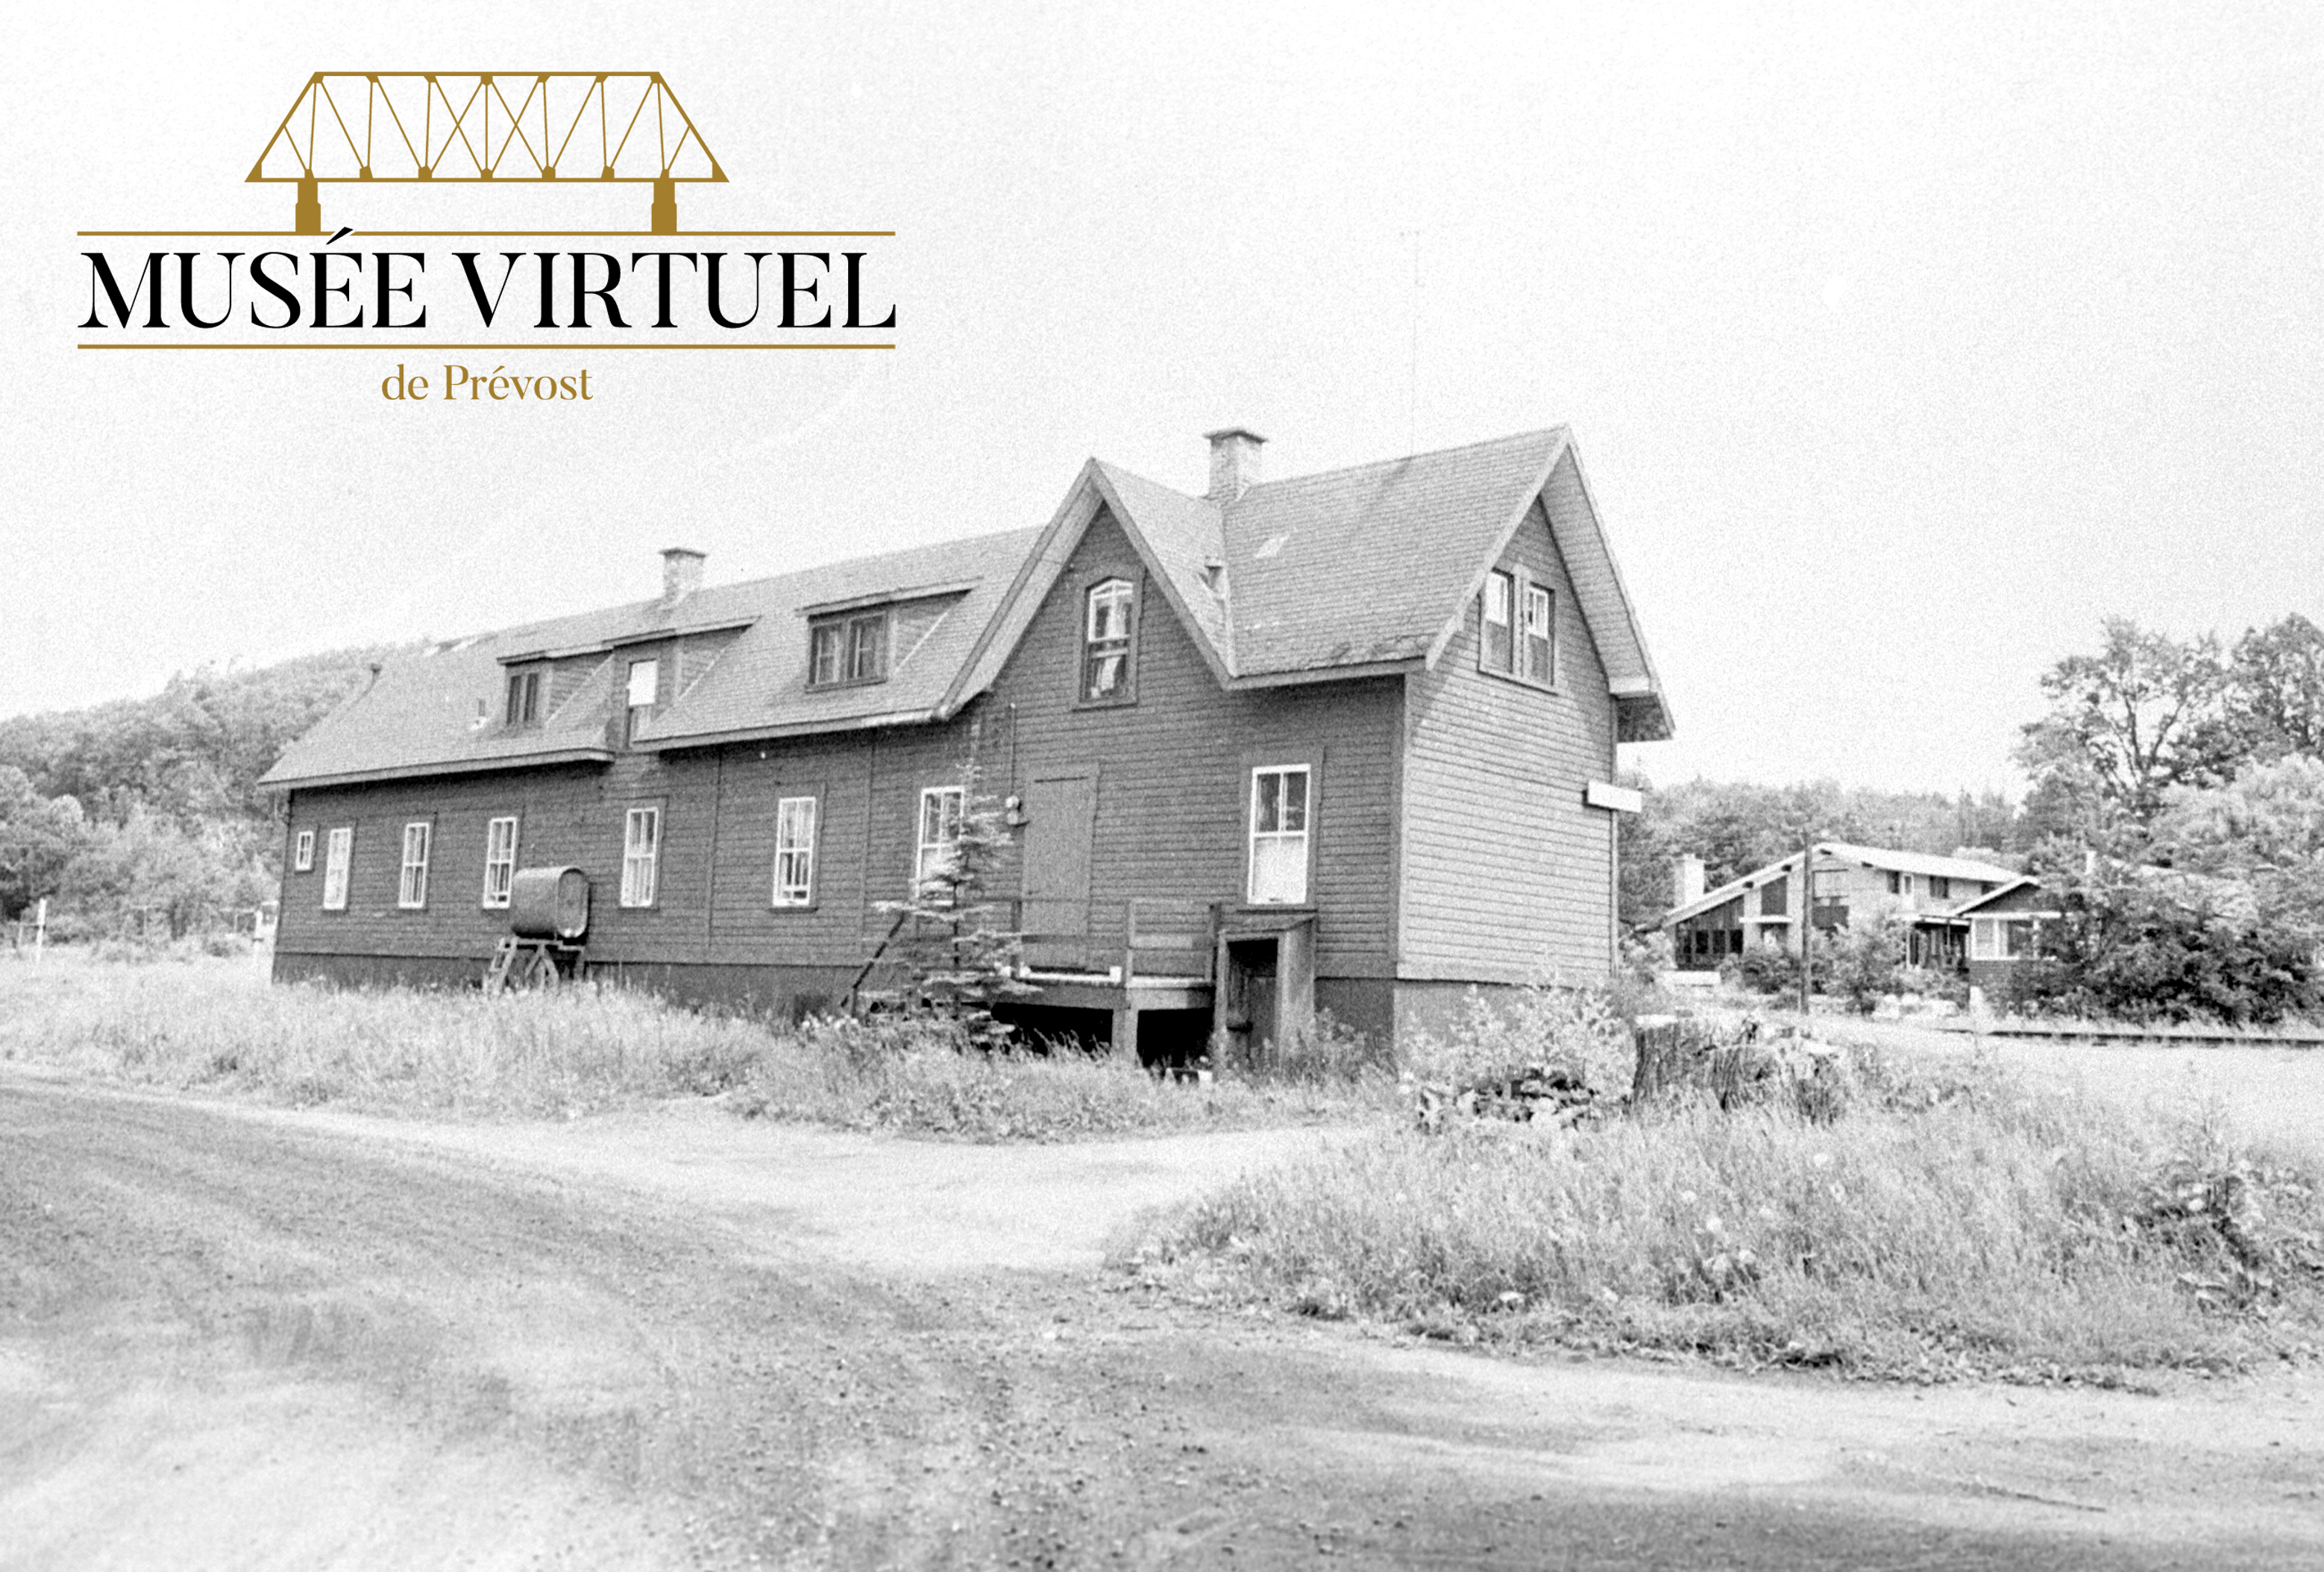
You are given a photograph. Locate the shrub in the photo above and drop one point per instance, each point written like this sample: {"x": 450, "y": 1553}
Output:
{"x": 2141, "y": 948}
{"x": 1763, "y": 970}
{"x": 1863, "y": 963}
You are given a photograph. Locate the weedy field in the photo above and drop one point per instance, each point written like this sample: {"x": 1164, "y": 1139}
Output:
{"x": 1949, "y": 1218}
{"x": 216, "y": 1026}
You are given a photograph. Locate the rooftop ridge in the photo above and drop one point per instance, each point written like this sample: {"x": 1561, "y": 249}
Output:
{"x": 693, "y": 609}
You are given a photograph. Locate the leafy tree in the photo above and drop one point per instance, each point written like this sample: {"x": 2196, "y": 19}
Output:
{"x": 2263, "y": 829}
{"x": 2145, "y": 713}
{"x": 39, "y": 838}
{"x": 149, "y": 877}
{"x": 2276, "y": 689}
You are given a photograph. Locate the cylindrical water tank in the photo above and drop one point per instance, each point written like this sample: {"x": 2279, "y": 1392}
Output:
{"x": 550, "y": 903}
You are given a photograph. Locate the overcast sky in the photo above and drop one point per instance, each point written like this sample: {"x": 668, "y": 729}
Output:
{"x": 1900, "y": 346}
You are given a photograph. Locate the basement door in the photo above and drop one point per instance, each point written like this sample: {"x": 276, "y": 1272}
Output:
{"x": 1060, "y": 820}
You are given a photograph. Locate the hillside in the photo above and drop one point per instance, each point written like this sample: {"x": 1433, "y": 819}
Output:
{"x": 143, "y": 814}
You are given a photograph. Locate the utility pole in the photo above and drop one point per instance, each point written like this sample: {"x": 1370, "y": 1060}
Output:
{"x": 1806, "y": 926}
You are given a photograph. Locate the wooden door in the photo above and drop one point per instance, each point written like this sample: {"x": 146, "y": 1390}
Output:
{"x": 1060, "y": 820}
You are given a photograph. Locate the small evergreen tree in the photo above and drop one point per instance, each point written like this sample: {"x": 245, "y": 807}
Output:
{"x": 950, "y": 941}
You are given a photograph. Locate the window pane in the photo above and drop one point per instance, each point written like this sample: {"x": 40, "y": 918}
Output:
{"x": 825, "y": 664}
{"x": 1267, "y": 815}
{"x": 334, "y": 873}
{"x": 645, "y": 679}
{"x": 1105, "y": 673}
{"x": 1295, "y": 800}
{"x": 1278, "y": 869}
{"x": 1538, "y": 644}
{"x": 1497, "y": 598}
{"x": 868, "y": 661}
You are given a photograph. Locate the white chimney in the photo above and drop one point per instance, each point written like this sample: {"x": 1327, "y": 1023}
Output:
{"x": 1686, "y": 880}
{"x": 681, "y": 573}
{"x": 1234, "y": 462}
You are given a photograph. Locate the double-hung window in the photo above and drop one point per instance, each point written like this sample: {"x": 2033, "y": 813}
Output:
{"x": 1497, "y": 645}
{"x": 1105, "y": 642}
{"x": 942, "y": 811}
{"x": 1278, "y": 835}
{"x": 500, "y": 862}
{"x": 411, "y": 879}
{"x": 640, "y": 854}
{"x": 337, "y": 857}
{"x": 1540, "y": 636}
{"x": 795, "y": 820}
{"x": 302, "y": 857}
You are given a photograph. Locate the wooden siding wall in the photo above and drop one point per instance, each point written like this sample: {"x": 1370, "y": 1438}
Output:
{"x": 1507, "y": 875}
{"x": 1173, "y": 768}
{"x": 1172, "y": 785}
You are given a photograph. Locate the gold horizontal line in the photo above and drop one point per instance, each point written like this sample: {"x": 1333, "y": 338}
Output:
{"x": 468, "y": 234}
{"x": 410, "y": 348}
{"x": 496, "y": 179}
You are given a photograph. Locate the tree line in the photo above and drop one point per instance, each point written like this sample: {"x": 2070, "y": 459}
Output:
{"x": 142, "y": 818}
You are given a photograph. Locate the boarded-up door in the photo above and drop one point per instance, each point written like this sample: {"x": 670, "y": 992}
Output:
{"x": 1060, "y": 817}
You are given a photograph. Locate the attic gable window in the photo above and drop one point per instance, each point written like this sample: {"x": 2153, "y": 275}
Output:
{"x": 1108, "y": 618}
{"x": 1540, "y": 636}
{"x": 1497, "y": 645}
{"x": 847, "y": 651}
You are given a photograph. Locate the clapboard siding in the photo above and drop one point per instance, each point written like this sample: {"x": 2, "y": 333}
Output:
{"x": 1506, "y": 875}
{"x": 1173, "y": 768}
{"x": 1172, "y": 784}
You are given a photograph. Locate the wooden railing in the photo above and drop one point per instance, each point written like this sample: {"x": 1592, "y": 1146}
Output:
{"x": 1173, "y": 938}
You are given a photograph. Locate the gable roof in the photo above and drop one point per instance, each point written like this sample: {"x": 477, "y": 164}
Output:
{"x": 1352, "y": 570}
{"x": 1344, "y": 573}
{"x": 1881, "y": 857}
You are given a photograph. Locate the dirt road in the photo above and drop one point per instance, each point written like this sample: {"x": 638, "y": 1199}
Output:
{"x": 239, "y": 1339}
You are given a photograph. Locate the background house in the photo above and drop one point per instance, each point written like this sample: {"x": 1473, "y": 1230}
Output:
{"x": 1846, "y": 884}
{"x": 1337, "y": 740}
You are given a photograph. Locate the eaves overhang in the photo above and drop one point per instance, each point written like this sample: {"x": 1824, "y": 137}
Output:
{"x": 786, "y": 728}
{"x": 440, "y": 767}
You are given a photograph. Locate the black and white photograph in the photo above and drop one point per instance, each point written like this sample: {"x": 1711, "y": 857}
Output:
{"x": 1048, "y": 785}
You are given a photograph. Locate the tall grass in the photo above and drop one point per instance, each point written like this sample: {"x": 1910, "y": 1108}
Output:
{"x": 1935, "y": 1230}
{"x": 214, "y": 1026}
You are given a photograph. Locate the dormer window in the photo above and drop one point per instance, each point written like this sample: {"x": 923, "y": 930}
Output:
{"x": 1110, "y": 616}
{"x": 523, "y": 698}
{"x": 645, "y": 693}
{"x": 846, "y": 651}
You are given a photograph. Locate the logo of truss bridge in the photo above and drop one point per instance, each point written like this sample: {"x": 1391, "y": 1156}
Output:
{"x": 349, "y": 128}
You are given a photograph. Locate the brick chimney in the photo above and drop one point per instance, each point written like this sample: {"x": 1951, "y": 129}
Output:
{"x": 681, "y": 573}
{"x": 1686, "y": 880}
{"x": 1234, "y": 462}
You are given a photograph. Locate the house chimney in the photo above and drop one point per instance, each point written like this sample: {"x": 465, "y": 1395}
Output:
{"x": 681, "y": 573}
{"x": 1234, "y": 462}
{"x": 1686, "y": 880}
